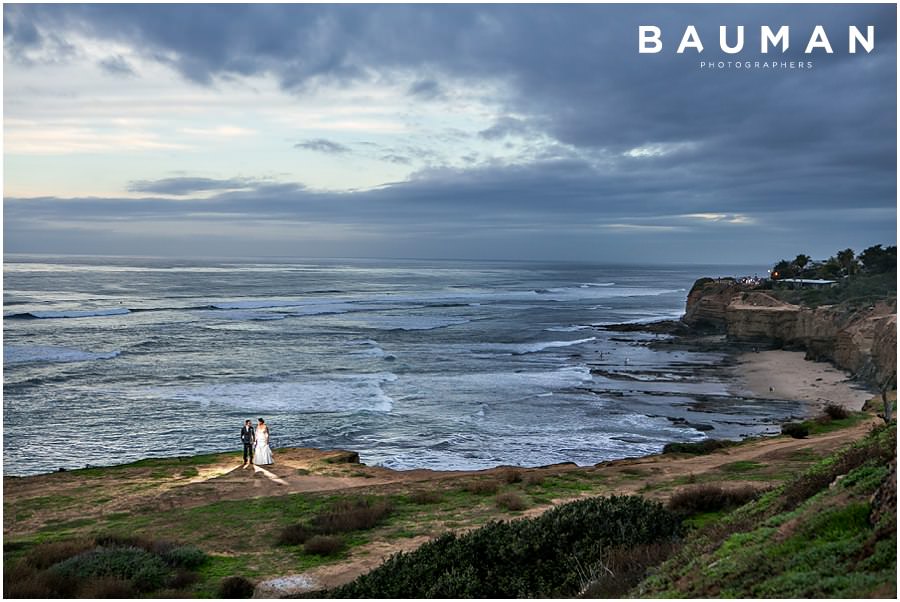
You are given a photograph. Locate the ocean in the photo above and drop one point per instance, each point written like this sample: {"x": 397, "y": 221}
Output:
{"x": 413, "y": 364}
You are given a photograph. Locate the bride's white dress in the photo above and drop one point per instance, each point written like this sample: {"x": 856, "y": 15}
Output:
{"x": 261, "y": 453}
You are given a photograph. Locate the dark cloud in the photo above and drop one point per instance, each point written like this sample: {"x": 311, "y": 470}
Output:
{"x": 394, "y": 158}
{"x": 118, "y": 66}
{"x": 505, "y": 126}
{"x": 321, "y": 145}
{"x": 181, "y": 186}
{"x": 426, "y": 89}
{"x": 632, "y": 136}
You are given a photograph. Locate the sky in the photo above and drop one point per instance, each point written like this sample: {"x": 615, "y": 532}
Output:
{"x": 446, "y": 131}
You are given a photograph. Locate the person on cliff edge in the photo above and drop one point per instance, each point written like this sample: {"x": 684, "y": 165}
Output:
{"x": 248, "y": 437}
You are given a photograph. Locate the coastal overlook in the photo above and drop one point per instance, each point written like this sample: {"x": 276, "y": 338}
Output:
{"x": 449, "y": 300}
{"x": 725, "y": 389}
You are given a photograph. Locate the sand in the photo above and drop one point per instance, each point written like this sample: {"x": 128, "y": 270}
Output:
{"x": 787, "y": 375}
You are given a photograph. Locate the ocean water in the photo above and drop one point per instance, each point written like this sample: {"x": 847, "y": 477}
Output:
{"x": 414, "y": 364}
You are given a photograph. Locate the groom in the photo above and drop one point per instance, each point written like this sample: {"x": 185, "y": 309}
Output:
{"x": 248, "y": 436}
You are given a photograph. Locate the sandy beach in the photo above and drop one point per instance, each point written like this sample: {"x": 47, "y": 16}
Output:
{"x": 782, "y": 374}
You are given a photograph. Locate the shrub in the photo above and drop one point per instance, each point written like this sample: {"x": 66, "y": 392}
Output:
{"x": 878, "y": 447}
{"x": 797, "y": 430}
{"x": 236, "y": 587}
{"x": 698, "y": 448}
{"x": 426, "y": 497}
{"x": 62, "y": 585}
{"x": 154, "y": 546}
{"x": 836, "y": 412}
{"x": 511, "y": 501}
{"x": 534, "y": 479}
{"x": 181, "y": 579}
{"x": 107, "y": 587}
{"x": 145, "y": 570}
{"x": 511, "y": 476}
{"x": 523, "y": 558}
{"x": 623, "y": 567}
{"x": 294, "y": 535}
{"x": 187, "y": 557}
{"x": 20, "y": 580}
{"x": 711, "y": 498}
{"x": 47, "y": 554}
{"x": 324, "y": 545}
{"x": 482, "y": 487}
{"x": 352, "y": 515}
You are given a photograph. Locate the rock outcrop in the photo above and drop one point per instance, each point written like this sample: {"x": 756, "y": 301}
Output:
{"x": 862, "y": 341}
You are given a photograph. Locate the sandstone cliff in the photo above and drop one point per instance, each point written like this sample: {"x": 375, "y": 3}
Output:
{"x": 862, "y": 341}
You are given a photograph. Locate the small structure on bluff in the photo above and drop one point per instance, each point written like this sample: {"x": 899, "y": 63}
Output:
{"x": 805, "y": 282}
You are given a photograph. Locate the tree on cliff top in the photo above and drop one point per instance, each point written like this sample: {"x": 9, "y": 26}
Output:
{"x": 876, "y": 260}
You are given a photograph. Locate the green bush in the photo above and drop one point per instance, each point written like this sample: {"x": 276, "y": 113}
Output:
{"x": 836, "y": 412}
{"x": 146, "y": 571}
{"x": 524, "y": 558}
{"x": 797, "y": 430}
{"x": 187, "y": 557}
{"x": 107, "y": 587}
{"x": 698, "y": 448}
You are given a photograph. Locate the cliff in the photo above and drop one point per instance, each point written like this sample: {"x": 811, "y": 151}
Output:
{"x": 862, "y": 341}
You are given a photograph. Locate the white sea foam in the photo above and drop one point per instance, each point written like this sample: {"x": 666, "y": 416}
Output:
{"x": 80, "y": 313}
{"x": 523, "y": 348}
{"x": 496, "y": 385}
{"x": 22, "y": 354}
{"x": 573, "y": 328}
{"x": 645, "y": 318}
{"x": 338, "y": 393}
{"x": 246, "y": 315}
{"x": 409, "y": 322}
{"x": 256, "y": 304}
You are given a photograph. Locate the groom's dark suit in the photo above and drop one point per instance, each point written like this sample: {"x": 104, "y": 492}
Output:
{"x": 248, "y": 436}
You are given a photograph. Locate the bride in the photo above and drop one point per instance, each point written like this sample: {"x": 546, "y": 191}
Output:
{"x": 262, "y": 454}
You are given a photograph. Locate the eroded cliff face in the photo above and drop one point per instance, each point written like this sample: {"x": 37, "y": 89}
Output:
{"x": 863, "y": 341}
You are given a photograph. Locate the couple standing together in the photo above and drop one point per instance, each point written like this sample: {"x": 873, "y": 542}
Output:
{"x": 256, "y": 443}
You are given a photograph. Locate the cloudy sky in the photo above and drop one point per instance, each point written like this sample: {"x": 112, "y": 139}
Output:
{"x": 444, "y": 131}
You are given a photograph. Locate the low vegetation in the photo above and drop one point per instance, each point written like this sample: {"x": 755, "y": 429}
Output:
{"x": 831, "y": 533}
{"x": 235, "y": 587}
{"x": 707, "y": 446}
{"x": 710, "y": 497}
{"x": 554, "y": 554}
{"x": 108, "y": 566}
{"x": 797, "y": 430}
{"x": 598, "y": 546}
{"x": 511, "y": 500}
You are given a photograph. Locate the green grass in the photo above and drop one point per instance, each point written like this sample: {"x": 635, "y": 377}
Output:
{"x": 703, "y": 519}
{"x": 823, "y": 546}
{"x": 741, "y": 467}
{"x": 160, "y": 463}
{"x": 46, "y": 502}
